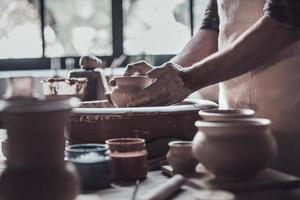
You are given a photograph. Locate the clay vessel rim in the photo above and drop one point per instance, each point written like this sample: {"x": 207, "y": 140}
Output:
{"x": 125, "y": 141}
{"x": 38, "y": 105}
{"x": 153, "y": 110}
{"x": 121, "y": 78}
{"x": 227, "y": 112}
{"x": 51, "y": 80}
{"x": 180, "y": 144}
{"x": 248, "y": 122}
{"x": 79, "y": 148}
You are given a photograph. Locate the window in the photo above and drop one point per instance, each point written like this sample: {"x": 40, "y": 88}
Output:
{"x": 155, "y": 26}
{"x": 20, "y": 35}
{"x": 77, "y": 27}
{"x": 33, "y": 31}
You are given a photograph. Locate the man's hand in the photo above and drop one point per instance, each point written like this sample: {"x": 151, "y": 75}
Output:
{"x": 167, "y": 88}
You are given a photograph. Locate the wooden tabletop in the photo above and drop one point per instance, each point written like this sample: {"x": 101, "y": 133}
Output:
{"x": 187, "y": 193}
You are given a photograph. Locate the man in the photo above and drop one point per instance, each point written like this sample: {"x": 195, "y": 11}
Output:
{"x": 253, "y": 48}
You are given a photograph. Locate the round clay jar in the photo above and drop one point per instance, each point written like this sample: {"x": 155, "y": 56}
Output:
{"x": 180, "y": 157}
{"x": 234, "y": 149}
{"x": 225, "y": 114}
{"x": 124, "y": 88}
{"x": 129, "y": 159}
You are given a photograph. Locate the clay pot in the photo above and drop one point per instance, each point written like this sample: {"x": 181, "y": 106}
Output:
{"x": 35, "y": 154}
{"x": 124, "y": 88}
{"x": 129, "y": 159}
{"x": 224, "y": 114}
{"x": 235, "y": 149}
{"x": 180, "y": 157}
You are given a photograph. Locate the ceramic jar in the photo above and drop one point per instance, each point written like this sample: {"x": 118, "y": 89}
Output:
{"x": 234, "y": 149}
{"x": 124, "y": 89}
{"x": 180, "y": 157}
{"x": 129, "y": 159}
{"x": 92, "y": 163}
{"x": 224, "y": 114}
{"x": 35, "y": 160}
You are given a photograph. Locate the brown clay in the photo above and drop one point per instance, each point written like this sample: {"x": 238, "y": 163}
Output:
{"x": 35, "y": 162}
{"x": 223, "y": 114}
{"x": 129, "y": 159}
{"x": 235, "y": 149}
{"x": 180, "y": 157}
{"x": 124, "y": 88}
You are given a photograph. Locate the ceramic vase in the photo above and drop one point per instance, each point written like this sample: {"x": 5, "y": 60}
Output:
{"x": 235, "y": 149}
{"x": 129, "y": 159}
{"x": 180, "y": 157}
{"x": 125, "y": 87}
{"x": 35, "y": 156}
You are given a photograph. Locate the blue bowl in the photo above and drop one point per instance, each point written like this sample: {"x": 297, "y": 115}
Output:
{"x": 73, "y": 151}
{"x": 93, "y": 165}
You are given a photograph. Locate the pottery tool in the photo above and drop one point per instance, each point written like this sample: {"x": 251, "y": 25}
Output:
{"x": 136, "y": 188}
{"x": 166, "y": 189}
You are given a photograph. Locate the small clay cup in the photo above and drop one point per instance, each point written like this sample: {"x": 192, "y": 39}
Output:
{"x": 124, "y": 89}
{"x": 234, "y": 149}
{"x": 76, "y": 150}
{"x": 180, "y": 157}
{"x": 224, "y": 114}
{"x": 129, "y": 159}
{"x": 94, "y": 170}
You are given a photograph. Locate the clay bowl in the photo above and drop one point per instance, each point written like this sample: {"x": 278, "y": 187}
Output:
{"x": 234, "y": 149}
{"x": 223, "y": 114}
{"x": 180, "y": 157}
{"x": 94, "y": 169}
{"x": 124, "y": 89}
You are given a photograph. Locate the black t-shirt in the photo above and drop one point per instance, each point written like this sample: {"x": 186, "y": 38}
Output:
{"x": 284, "y": 11}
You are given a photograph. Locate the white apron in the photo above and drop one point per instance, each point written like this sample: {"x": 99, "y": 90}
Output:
{"x": 272, "y": 90}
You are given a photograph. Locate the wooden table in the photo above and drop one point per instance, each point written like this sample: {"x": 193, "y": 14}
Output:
{"x": 187, "y": 193}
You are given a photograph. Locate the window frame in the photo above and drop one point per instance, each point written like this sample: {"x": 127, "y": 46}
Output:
{"x": 117, "y": 42}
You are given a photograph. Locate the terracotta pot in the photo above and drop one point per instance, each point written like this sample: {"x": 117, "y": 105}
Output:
{"x": 124, "y": 88}
{"x": 235, "y": 149}
{"x": 129, "y": 158}
{"x": 94, "y": 125}
{"x": 35, "y": 157}
{"x": 180, "y": 157}
{"x": 223, "y": 114}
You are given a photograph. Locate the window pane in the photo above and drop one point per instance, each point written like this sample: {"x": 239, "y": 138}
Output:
{"x": 76, "y": 27}
{"x": 155, "y": 26}
{"x": 199, "y": 10}
{"x": 20, "y": 33}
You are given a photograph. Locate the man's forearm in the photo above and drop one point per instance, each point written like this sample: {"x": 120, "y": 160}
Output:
{"x": 203, "y": 44}
{"x": 263, "y": 40}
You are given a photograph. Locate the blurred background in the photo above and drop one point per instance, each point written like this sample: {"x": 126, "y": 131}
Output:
{"x": 34, "y": 31}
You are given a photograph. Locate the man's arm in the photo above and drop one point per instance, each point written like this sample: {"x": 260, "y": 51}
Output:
{"x": 205, "y": 42}
{"x": 263, "y": 40}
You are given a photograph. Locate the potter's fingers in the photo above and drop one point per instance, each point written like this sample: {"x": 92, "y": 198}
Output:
{"x": 156, "y": 72}
{"x": 141, "y": 67}
{"x": 145, "y": 96}
{"x": 145, "y": 100}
